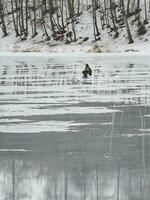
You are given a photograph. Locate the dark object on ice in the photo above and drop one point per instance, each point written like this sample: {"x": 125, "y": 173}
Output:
{"x": 87, "y": 71}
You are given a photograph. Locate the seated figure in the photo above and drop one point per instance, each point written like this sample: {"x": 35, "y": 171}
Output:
{"x": 87, "y": 71}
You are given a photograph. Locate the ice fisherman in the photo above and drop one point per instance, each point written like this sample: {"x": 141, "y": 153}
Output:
{"x": 87, "y": 71}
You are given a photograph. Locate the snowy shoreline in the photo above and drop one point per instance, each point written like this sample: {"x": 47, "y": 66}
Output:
{"x": 90, "y": 49}
{"x": 43, "y": 54}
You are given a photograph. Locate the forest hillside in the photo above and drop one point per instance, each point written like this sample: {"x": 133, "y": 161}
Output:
{"x": 74, "y": 25}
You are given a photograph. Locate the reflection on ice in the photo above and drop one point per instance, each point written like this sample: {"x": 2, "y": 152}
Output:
{"x": 65, "y": 137}
{"x": 32, "y": 180}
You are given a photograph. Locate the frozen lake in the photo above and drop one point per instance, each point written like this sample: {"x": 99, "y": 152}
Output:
{"x": 66, "y": 137}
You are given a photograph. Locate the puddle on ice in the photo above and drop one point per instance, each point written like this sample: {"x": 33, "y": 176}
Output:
{"x": 66, "y": 137}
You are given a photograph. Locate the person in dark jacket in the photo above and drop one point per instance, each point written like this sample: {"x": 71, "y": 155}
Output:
{"x": 87, "y": 71}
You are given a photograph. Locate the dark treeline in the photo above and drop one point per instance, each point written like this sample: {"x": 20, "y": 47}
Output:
{"x": 59, "y": 18}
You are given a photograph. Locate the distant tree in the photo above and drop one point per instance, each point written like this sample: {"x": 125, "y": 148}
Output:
{"x": 71, "y": 11}
{"x": 126, "y": 23}
{"x": 138, "y": 12}
{"x": 14, "y": 19}
{"x": 34, "y": 19}
{"x": 59, "y": 18}
{"x": 42, "y": 20}
{"x": 2, "y": 19}
{"x": 95, "y": 23}
{"x": 51, "y": 11}
{"x": 26, "y": 18}
{"x": 145, "y": 9}
{"x": 112, "y": 5}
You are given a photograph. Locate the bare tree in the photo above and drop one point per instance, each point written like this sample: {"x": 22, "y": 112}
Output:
{"x": 95, "y": 23}
{"x": 34, "y": 19}
{"x": 2, "y": 22}
{"x": 138, "y": 12}
{"x": 126, "y": 23}
{"x": 59, "y": 18}
{"x": 15, "y": 16}
{"x": 145, "y": 8}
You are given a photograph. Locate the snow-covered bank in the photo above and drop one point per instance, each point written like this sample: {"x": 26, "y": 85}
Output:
{"x": 82, "y": 55}
{"x": 85, "y": 42}
{"x": 110, "y": 37}
{"x": 29, "y": 46}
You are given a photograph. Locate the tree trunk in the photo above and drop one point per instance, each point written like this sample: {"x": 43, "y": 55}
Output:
{"x": 14, "y": 20}
{"x": 3, "y": 25}
{"x": 126, "y": 23}
{"x": 145, "y": 8}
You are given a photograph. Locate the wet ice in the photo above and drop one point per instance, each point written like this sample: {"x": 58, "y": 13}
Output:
{"x": 62, "y": 136}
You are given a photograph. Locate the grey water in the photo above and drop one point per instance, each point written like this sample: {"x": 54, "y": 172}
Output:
{"x": 66, "y": 137}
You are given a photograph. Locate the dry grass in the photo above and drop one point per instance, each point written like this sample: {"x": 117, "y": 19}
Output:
{"x": 95, "y": 49}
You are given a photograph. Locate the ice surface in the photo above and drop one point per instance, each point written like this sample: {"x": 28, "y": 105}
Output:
{"x": 64, "y": 136}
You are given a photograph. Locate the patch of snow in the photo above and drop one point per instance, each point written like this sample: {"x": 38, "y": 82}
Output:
{"x": 14, "y": 150}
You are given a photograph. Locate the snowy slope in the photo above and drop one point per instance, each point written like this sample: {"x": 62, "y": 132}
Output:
{"x": 83, "y": 29}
